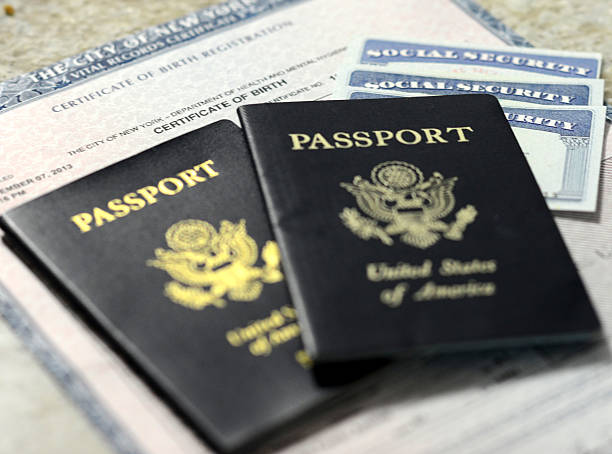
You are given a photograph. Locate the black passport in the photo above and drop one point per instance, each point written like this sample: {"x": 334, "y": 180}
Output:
{"x": 172, "y": 254}
{"x": 412, "y": 225}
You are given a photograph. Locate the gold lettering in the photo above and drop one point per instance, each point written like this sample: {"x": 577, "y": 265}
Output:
{"x": 289, "y": 312}
{"x": 250, "y": 332}
{"x": 134, "y": 202}
{"x": 260, "y": 347}
{"x": 100, "y": 217}
{"x": 460, "y": 133}
{"x": 319, "y": 139}
{"x": 399, "y": 136}
{"x": 191, "y": 177}
{"x": 471, "y": 289}
{"x": 451, "y": 267}
{"x": 377, "y": 272}
{"x": 119, "y": 209}
{"x": 284, "y": 334}
{"x": 432, "y": 135}
{"x": 303, "y": 359}
{"x": 378, "y": 138}
{"x": 277, "y": 318}
{"x": 178, "y": 186}
{"x": 147, "y": 193}
{"x": 342, "y": 140}
{"x": 263, "y": 335}
{"x": 382, "y": 136}
{"x": 393, "y": 297}
{"x": 206, "y": 167}
{"x": 233, "y": 338}
{"x": 299, "y": 140}
{"x": 82, "y": 221}
{"x": 362, "y": 139}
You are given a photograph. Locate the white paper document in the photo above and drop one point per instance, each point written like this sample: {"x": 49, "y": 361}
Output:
{"x": 89, "y": 111}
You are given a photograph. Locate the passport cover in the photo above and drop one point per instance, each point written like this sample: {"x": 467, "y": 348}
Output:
{"x": 412, "y": 225}
{"x": 171, "y": 252}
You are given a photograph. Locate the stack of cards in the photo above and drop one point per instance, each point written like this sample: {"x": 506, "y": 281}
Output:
{"x": 552, "y": 99}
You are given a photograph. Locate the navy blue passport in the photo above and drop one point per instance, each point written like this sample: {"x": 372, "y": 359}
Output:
{"x": 172, "y": 254}
{"x": 412, "y": 225}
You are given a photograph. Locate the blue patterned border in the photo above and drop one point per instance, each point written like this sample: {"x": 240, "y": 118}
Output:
{"x": 59, "y": 368}
{"x": 491, "y": 23}
{"x": 31, "y": 85}
{"x": 121, "y": 52}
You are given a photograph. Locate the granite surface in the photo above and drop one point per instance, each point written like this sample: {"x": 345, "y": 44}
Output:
{"x": 580, "y": 25}
{"x": 36, "y": 417}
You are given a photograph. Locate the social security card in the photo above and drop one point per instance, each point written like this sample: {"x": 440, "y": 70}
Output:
{"x": 563, "y": 146}
{"x": 569, "y": 92}
{"x": 384, "y": 51}
{"x": 473, "y": 71}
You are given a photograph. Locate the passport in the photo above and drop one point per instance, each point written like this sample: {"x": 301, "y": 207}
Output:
{"x": 171, "y": 254}
{"x": 413, "y": 226}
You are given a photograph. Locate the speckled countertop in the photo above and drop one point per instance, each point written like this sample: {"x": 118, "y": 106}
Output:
{"x": 35, "y": 416}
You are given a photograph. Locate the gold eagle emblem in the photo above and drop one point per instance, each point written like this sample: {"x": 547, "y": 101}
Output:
{"x": 208, "y": 266}
{"x": 410, "y": 206}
